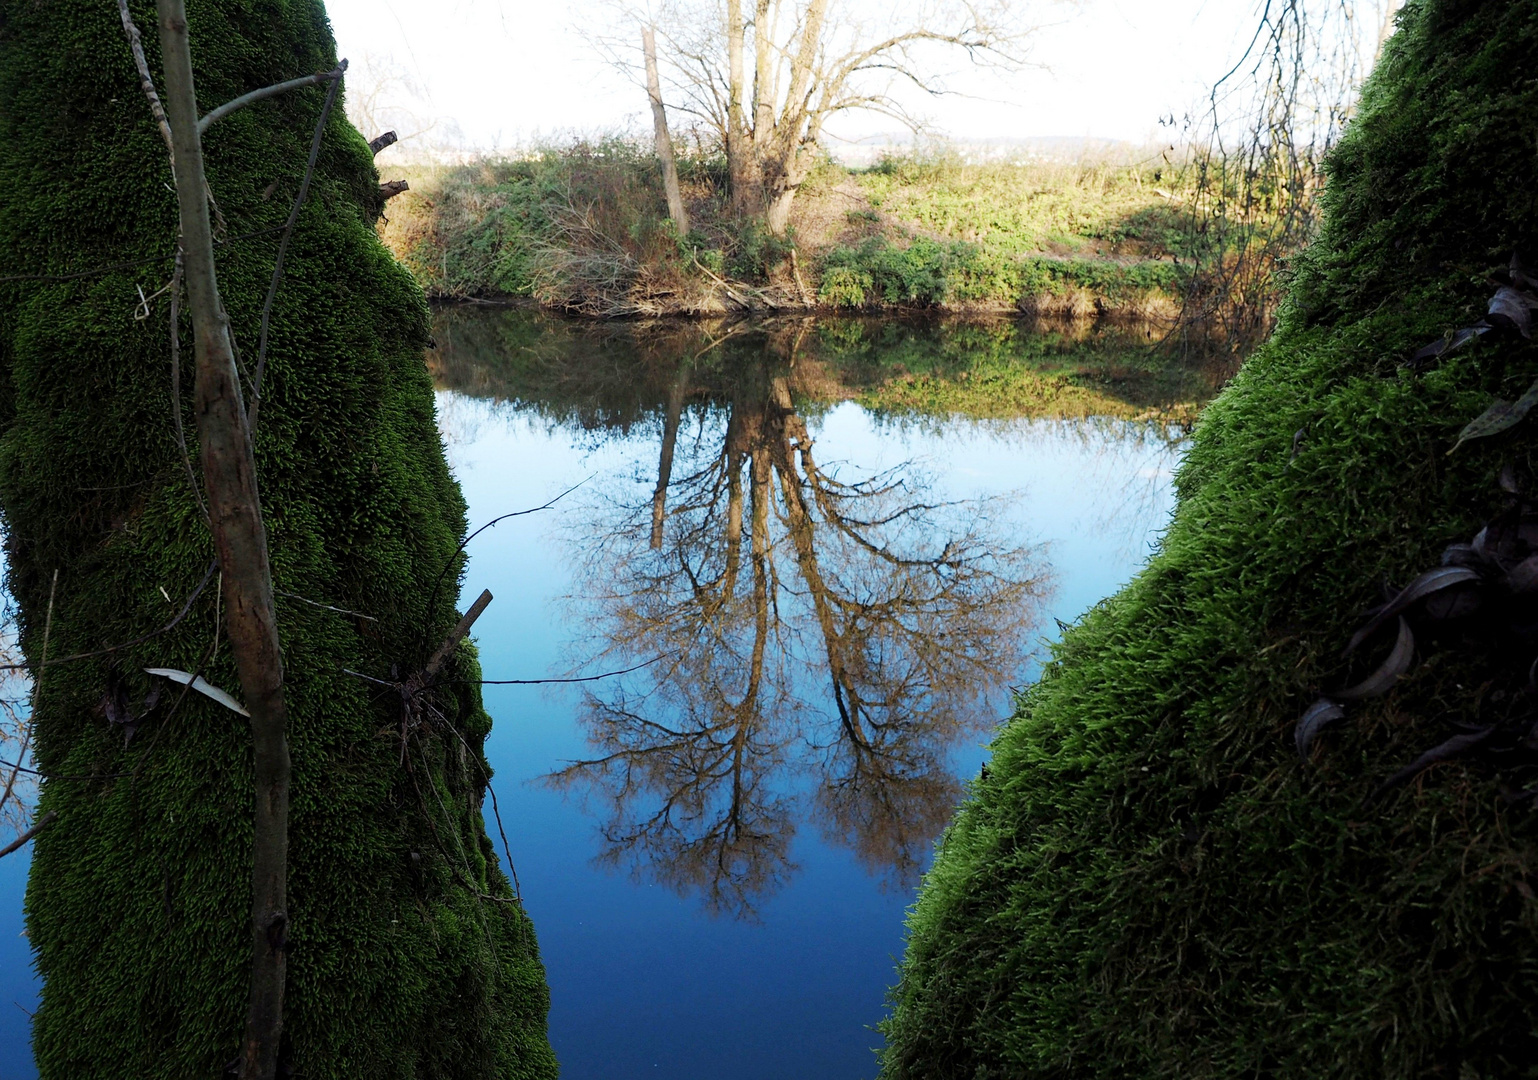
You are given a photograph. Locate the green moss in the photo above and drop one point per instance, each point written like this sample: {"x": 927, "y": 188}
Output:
{"x": 409, "y": 957}
{"x": 1145, "y": 882}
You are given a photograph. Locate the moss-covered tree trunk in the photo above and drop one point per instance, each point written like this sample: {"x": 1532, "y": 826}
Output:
{"x": 1147, "y": 882}
{"x": 408, "y": 955}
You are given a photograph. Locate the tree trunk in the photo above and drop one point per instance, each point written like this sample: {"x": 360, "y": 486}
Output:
{"x": 140, "y": 889}
{"x": 240, "y": 538}
{"x": 777, "y": 212}
{"x": 675, "y": 410}
{"x": 664, "y": 142}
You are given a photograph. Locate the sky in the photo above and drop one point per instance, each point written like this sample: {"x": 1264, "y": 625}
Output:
{"x": 497, "y": 74}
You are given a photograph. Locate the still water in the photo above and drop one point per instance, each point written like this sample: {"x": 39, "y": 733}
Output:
{"x": 820, "y": 556}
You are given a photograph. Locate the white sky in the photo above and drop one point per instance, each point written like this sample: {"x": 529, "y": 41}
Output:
{"x": 507, "y": 71}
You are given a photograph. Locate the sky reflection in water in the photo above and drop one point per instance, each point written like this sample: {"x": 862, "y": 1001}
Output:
{"x": 717, "y": 849}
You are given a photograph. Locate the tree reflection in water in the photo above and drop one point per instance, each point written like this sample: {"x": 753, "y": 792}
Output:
{"x": 823, "y": 639}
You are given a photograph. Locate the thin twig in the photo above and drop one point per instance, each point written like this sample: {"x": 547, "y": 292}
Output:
{"x": 21, "y": 840}
{"x": 328, "y": 607}
{"x": 213, "y": 116}
{"x": 61, "y": 776}
{"x": 288, "y": 232}
{"x": 176, "y": 380}
{"x": 542, "y": 682}
{"x": 432, "y": 600}
{"x": 146, "y": 82}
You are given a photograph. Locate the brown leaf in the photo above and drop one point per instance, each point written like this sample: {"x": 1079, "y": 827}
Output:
{"x": 1443, "y": 577}
{"x": 1454, "y": 602}
{"x": 1315, "y": 717}
{"x": 1498, "y": 417}
{"x": 1453, "y": 747}
{"x": 1510, "y": 310}
{"x": 1449, "y": 343}
{"x": 1382, "y": 680}
{"x": 1460, "y": 555}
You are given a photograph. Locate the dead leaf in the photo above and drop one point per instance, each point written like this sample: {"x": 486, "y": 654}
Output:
{"x": 1524, "y": 576}
{"x": 1449, "y": 343}
{"x": 1510, "y": 310}
{"x": 1446, "y": 751}
{"x": 1443, "y": 577}
{"x": 201, "y": 685}
{"x": 1498, "y": 417}
{"x": 1315, "y": 717}
{"x": 1388, "y": 673}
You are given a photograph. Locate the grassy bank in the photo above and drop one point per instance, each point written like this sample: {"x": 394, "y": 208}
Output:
{"x": 583, "y": 228}
{"x": 1146, "y": 881}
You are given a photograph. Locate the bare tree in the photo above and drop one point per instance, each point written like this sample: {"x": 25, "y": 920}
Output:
{"x": 766, "y": 78}
{"x": 382, "y": 95}
{"x": 801, "y": 623}
{"x": 18, "y": 785}
{"x": 1261, "y": 141}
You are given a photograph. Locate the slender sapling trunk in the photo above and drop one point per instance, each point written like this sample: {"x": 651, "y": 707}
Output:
{"x": 664, "y": 141}
{"x": 240, "y": 538}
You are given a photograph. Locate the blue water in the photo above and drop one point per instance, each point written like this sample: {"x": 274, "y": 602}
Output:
{"x": 643, "y": 983}
{"x": 647, "y": 981}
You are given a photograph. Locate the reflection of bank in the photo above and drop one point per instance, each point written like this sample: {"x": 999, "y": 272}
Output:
{"x": 824, "y": 639}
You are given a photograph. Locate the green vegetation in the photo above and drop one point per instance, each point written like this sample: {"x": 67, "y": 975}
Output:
{"x": 583, "y": 228}
{"x": 1145, "y": 882}
{"x": 409, "y": 955}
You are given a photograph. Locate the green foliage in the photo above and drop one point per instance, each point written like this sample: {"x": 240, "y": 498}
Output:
{"x": 931, "y": 273}
{"x": 409, "y": 957}
{"x": 1145, "y": 882}
{"x": 756, "y": 251}
{"x": 552, "y": 224}
{"x": 935, "y": 232}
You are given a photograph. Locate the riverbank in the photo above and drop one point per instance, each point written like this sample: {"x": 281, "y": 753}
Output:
{"x": 583, "y": 229}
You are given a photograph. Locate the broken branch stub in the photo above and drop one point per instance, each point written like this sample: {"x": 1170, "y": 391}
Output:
{"x": 375, "y": 145}
{"x": 391, "y": 188}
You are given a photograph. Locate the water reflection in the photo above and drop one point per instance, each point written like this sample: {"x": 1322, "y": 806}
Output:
{"x": 818, "y": 638}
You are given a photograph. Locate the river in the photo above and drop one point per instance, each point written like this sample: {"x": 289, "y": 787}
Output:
{"x": 822, "y": 555}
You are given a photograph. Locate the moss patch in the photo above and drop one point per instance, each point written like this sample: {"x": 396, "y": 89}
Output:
{"x": 1145, "y": 882}
{"x": 409, "y": 957}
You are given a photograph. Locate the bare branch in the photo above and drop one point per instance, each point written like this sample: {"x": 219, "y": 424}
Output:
{"x": 215, "y": 115}
{"x": 145, "y": 81}
{"x": 21, "y": 840}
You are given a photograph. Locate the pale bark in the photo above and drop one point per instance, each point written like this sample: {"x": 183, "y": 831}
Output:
{"x": 663, "y": 140}
{"x": 738, "y": 157}
{"x": 675, "y": 410}
{"x": 240, "y": 539}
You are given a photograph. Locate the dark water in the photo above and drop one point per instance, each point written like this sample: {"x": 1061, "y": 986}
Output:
{"x": 866, "y": 533}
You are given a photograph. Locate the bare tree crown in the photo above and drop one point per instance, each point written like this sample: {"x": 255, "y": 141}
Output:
{"x": 765, "y": 77}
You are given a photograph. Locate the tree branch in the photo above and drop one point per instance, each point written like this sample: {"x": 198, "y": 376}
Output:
{"x": 21, "y": 840}
{"x": 145, "y": 81}
{"x": 215, "y": 115}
